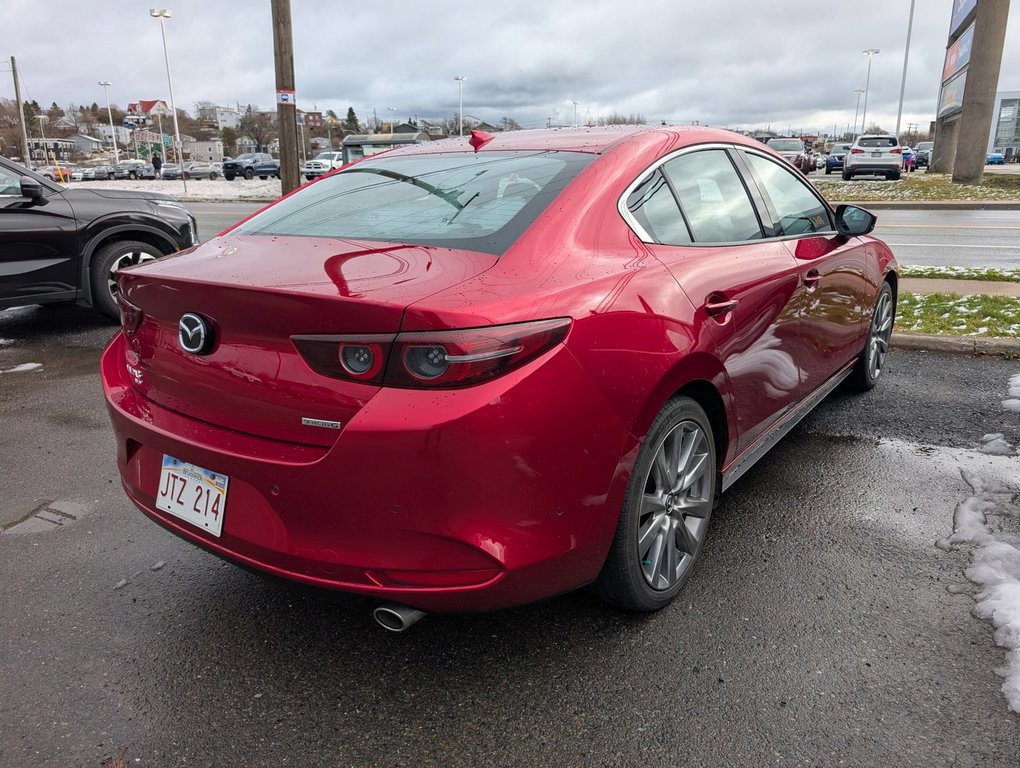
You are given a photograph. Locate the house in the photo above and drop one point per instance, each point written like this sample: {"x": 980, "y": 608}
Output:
{"x": 48, "y": 150}
{"x": 123, "y": 135}
{"x": 210, "y": 151}
{"x": 219, "y": 117}
{"x": 86, "y": 145}
{"x": 143, "y": 113}
{"x": 313, "y": 119}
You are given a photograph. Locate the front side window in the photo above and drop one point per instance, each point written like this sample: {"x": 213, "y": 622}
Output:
{"x": 799, "y": 211}
{"x": 713, "y": 197}
{"x": 476, "y": 201}
{"x": 10, "y": 184}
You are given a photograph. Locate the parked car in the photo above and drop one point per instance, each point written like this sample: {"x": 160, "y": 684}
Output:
{"x": 202, "y": 170}
{"x": 147, "y": 171}
{"x": 321, "y": 164}
{"x": 569, "y": 342}
{"x": 99, "y": 173}
{"x": 126, "y": 170}
{"x": 794, "y": 152}
{"x": 61, "y": 173}
{"x": 834, "y": 162}
{"x": 924, "y": 153}
{"x": 245, "y": 165}
{"x": 874, "y": 154}
{"x": 909, "y": 158}
{"x": 995, "y": 158}
{"x": 78, "y": 174}
{"x": 266, "y": 168}
{"x": 66, "y": 245}
{"x": 819, "y": 161}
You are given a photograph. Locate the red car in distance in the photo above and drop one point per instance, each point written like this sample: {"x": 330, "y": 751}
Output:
{"x": 476, "y": 373}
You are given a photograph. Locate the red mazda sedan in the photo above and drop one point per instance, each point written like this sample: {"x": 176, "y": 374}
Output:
{"x": 475, "y": 373}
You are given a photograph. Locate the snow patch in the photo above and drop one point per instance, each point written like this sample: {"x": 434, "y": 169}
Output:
{"x": 23, "y": 367}
{"x": 978, "y": 522}
{"x": 1012, "y": 404}
{"x": 996, "y": 445}
{"x": 6, "y": 342}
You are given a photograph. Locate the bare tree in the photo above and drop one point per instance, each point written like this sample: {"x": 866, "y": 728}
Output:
{"x": 257, "y": 126}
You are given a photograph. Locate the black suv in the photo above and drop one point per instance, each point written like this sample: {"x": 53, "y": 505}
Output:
{"x": 251, "y": 165}
{"x": 64, "y": 245}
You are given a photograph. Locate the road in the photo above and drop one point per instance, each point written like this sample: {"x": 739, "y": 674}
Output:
{"x": 952, "y": 238}
{"x": 918, "y": 237}
{"x": 822, "y": 628}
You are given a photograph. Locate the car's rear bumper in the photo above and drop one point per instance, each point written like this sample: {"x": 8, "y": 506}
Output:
{"x": 446, "y": 501}
{"x": 877, "y": 167}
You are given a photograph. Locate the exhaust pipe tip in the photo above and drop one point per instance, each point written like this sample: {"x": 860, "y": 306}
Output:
{"x": 396, "y": 618}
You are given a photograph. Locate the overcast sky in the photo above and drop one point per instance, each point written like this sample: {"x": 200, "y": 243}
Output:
{"x": 734, "y": 63}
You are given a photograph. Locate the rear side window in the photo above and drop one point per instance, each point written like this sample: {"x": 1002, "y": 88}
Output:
{"x": 713, "y": 197}
{"x": 879, "y": 142}
{"x": 799, "y": 211}
{"x": 653, "y": 207}
{"x": 476, "y": 201}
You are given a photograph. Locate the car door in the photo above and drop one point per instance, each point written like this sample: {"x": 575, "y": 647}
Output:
{"x": 833, "y": 292}
{"x": 705, "y": 229}
{"x": 38, "y": 244}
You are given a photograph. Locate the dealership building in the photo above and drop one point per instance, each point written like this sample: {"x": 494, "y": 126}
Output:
{"x": 1005, "y": 133}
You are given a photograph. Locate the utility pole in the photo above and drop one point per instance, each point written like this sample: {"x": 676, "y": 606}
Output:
{"x": 903, "y": 80}
{"x": 286, "y": 109}
{"x": 25, "y": 158}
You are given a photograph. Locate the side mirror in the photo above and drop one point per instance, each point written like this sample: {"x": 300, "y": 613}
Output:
{"x": 852, "y": 221}
{"x": 33, "y": 190}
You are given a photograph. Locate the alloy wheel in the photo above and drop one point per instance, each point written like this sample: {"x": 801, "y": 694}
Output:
{"x": 128, "y": 259}
{"x": 675, "y": 506}
{"x": 881, "y": 331}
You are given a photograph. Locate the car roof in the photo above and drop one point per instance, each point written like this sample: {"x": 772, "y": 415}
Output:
{"x": 593, "y": 140}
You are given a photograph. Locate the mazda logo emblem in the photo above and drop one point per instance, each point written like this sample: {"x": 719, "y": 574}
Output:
{"x": 194, "y": 334}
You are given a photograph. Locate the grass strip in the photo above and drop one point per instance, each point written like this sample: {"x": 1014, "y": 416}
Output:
{"x": 955, "y": 315}
{"x": 920, "y": 187}
{"x": 989, "y": 274}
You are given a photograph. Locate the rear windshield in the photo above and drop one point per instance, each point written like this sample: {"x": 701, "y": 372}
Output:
{"x": 786, "y": 145}
{"x": 475, "y": 201}
{"x": 926, "y": 145}
{"x": 844, "y": 148}
{"x": 877, "y": 141}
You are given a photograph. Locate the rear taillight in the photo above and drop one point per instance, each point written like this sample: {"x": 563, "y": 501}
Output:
{"x": 896, "y": 151}
{"x": 856, "y": 151}
{"x": 432, "y": 359}
{"x": 130, "y": 315}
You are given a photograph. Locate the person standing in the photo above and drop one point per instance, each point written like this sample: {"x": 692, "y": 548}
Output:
{"x": 157, "y": 165}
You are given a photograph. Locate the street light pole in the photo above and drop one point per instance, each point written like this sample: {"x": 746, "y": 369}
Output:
{"x": 163, "y": 14}
{"x": 460, "y": 87}
{"x": 857, "y": 112}
{"x": 870, "y": 52}
{"x": 42, "y": 134}
{"x": 109, "y": 113}
{"x": 903, "y": 80}
{"x": 393, "y": 116}
{"x": 575, "y": 103}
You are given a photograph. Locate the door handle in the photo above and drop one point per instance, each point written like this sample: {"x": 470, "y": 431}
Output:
{"x": 811, "y": 278}
{"x": 717, "y": 304}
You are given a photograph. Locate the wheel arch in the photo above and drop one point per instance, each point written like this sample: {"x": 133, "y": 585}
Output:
{"x": 150, "y": 235}
{"x": 702, "y": 378}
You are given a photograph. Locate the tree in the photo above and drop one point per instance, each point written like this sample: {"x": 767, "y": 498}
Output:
{"x": 618, "y": 119}
{"x": 509, "y": 124}
{"x": 229, "y": 137}
{"x": 257, "y": 126}
{"x": 54, "y": 112}
{"x": 351, "y": 124}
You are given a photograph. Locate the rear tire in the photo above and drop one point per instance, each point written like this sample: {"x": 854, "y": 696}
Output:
{"x": 105, "y": 263}
{"x": 871, "y": 361}
{"x": 665, "y": 513}
{"x": 847, "y": 175}
{"x": 828, "y": 170}
{"x": 894, "y": 176}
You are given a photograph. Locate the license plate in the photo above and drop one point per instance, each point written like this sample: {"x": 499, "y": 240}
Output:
{"x": 876, "y": 154}
{"x": 194, "y": 494}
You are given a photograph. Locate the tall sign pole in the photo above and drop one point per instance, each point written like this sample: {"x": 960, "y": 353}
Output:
{"x": 286, "y": 106}
{"x": 25, "y": 157}
{"x": 979, "y": 91}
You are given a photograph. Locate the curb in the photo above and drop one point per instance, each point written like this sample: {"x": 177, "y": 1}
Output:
{"x": 936, "y": 205}
{"x": 961, "y": 345}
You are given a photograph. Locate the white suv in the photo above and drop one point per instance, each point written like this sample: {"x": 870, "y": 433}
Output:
{"x": 321, "y": 164}
{"x": 874, "y": 153}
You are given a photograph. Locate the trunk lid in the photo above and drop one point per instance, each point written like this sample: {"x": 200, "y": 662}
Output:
{"x": 255, "y": 293}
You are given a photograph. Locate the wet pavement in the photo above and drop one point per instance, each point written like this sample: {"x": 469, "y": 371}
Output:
{"x": 822, "y": 628}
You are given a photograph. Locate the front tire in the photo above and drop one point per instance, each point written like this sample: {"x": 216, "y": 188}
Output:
{"x": 105, "y": 263}
{"x": 665, "y": 513}
{"x": 871, "y": 361}
{"x": 228, "y": 176}
{"x": 249, "y": 174}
